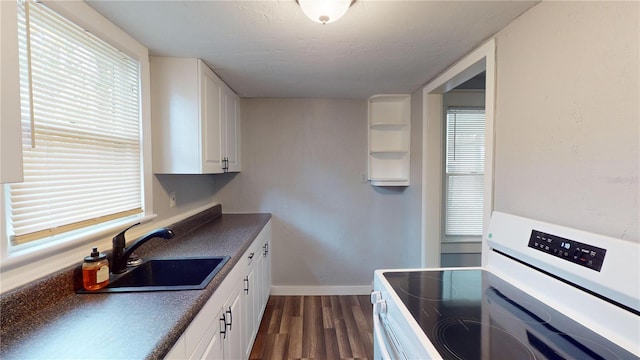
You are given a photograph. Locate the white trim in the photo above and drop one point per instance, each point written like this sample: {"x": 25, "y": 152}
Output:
{"x": 320, "y": 290}
{"x": 482, "y": 58}
{"x": 432, "y": 180}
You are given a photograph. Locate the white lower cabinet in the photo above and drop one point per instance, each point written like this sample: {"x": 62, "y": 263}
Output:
{"x": 253, "y": 283}
{"x": 232, "y": 344}
{"x": 250, "y": 305}
{"x": 265, "y": 270}
{"x": 215, "y": 336}
{"x": 227, "y": 325}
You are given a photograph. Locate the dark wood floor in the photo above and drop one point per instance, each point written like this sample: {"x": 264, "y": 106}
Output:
{"x": 315, "y": 327}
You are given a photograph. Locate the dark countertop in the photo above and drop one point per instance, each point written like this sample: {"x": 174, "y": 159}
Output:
{"x": 48, "y": 320}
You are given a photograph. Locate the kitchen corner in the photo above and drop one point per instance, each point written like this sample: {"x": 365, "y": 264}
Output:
{"x": 47, "y": 319}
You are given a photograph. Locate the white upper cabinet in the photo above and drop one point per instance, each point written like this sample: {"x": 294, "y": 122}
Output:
{"x": 389, "y": 139}
{"x": 10, "y": 136}
{"x": 195, "y": 119}
{"x": 231, "y": 146}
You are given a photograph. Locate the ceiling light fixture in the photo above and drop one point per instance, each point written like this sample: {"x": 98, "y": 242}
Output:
{"x": 324, "y": 11}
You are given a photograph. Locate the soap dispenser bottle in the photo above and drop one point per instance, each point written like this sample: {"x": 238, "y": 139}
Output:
{"x": 95, "y": 271}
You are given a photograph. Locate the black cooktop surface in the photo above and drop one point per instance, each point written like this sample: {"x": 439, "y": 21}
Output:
{"x": 473, "y": 314}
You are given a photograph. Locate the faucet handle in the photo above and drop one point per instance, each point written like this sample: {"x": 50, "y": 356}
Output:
{"x": 120, "y": 235}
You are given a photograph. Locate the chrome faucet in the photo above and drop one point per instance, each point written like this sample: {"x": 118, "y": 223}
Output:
{"x": 120, "y": 253}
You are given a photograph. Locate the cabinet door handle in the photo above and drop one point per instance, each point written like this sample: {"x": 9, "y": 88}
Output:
{"x": 266, "y": 249}
{"x": 230, "y": 318}
{"x": 246, "y": 284}
{"x": 223, "y": 329}
{"x": 225, "y": 164}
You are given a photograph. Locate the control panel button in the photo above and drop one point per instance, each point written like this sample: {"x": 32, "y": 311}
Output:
{"x": 589, "y": 256}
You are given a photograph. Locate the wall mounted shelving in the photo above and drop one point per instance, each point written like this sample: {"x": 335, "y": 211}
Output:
{"x": 389, "y": 139}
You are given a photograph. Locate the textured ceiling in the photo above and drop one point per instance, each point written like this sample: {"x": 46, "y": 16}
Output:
{"x": 270, "y": 49}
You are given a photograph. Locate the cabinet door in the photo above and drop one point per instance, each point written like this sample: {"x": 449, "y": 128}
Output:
{"x": 178, "y": 351}
{"x": 11, "y": 135}
{"x": 232, "y": 130}
{"x": 212, "y": 121}
{"x": 214, "y": 350}
{"x": 251, "y": 296}
{"x": 232, "y": 347}
{"x": 265, "y": 273}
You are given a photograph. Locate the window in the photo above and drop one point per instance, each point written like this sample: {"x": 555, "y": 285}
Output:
{"x": 81, "y": 126}
{"x": 464, "y": 171}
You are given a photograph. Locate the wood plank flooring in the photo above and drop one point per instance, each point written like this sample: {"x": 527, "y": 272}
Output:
{"x": 315, "y": 327}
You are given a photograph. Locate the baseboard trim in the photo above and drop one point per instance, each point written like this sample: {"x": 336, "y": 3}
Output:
{"x": 320, "y": 290}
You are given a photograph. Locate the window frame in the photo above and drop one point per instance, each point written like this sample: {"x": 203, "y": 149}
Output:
{"x": 68, "y": 250}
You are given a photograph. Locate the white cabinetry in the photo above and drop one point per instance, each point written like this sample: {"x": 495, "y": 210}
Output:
{"x": 228, "y": 323}
{"x": 11, "y": 135}
{"x": 257, "y": 286}
{"x": 233, "y": 315}
{"x": 231, "y": 141}
{"x": 195, "y": 119}
{"x": 250, "y": 302}
{"x": 389, "y": 139}
{"x": 264, "y": 273}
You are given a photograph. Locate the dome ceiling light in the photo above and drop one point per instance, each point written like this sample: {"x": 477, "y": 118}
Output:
{"x": 324, "y": 11}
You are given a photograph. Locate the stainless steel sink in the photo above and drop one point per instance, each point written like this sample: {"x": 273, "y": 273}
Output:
{"x": 191, "y": 273}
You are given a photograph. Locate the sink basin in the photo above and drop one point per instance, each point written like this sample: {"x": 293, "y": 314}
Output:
{"x": 191, "y": 273}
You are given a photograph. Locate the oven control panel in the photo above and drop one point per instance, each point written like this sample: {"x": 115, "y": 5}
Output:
{"x": 576, "y": 252}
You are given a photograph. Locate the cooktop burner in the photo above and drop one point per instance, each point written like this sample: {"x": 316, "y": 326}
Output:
{"x": 473, "y": 314}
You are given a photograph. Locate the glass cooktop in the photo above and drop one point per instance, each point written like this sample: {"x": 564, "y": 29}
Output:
{"x": 473, "y": 314}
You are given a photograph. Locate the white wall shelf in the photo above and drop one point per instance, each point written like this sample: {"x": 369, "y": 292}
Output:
{"x": 389, "y": 139}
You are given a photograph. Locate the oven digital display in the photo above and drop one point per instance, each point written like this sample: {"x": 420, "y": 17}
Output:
{"x": 573, "y": 251}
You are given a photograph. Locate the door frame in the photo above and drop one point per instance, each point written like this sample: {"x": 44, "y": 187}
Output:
{"x": 481, "y": 59}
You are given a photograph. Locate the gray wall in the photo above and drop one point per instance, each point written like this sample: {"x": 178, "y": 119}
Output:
{"x": 567, "y": 116}
{"x": 567, "y": 151}
{"x": 303, "y": 161}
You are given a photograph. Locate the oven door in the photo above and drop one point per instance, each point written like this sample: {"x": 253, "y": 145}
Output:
{"x": 394, "y": 336}
{"x": 385, "y": 343}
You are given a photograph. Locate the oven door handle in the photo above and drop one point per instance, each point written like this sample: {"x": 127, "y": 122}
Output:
{"x": 378, "y": 331}
{"x": 381, "y": 329}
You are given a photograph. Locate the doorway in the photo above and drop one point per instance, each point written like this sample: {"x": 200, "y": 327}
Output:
{"x": 481, "y": 60}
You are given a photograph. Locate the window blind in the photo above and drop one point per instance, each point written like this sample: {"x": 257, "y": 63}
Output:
{"x": 80, "y": 101}
{"x": 464, "y": 171}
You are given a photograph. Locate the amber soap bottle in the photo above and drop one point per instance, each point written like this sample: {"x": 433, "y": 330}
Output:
{"x": 95, "y": 271}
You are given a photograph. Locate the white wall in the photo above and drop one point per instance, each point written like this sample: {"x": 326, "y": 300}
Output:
{"x": 567, "y": 116}
{"x": 303, "y": 161}
{"x": 192, "y": 192}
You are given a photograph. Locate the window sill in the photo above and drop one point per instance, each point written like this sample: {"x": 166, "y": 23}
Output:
{"x": 462, "y": 239}
{"x": 467, "y": 245}
{"x": 99, "y": 235}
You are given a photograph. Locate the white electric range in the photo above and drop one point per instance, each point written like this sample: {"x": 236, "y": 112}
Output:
{"x": 545, "y": 292}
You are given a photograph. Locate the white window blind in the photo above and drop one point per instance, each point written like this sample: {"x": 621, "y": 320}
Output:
{"x": 464, "y": 171}
{"x": 81, "y": 129}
